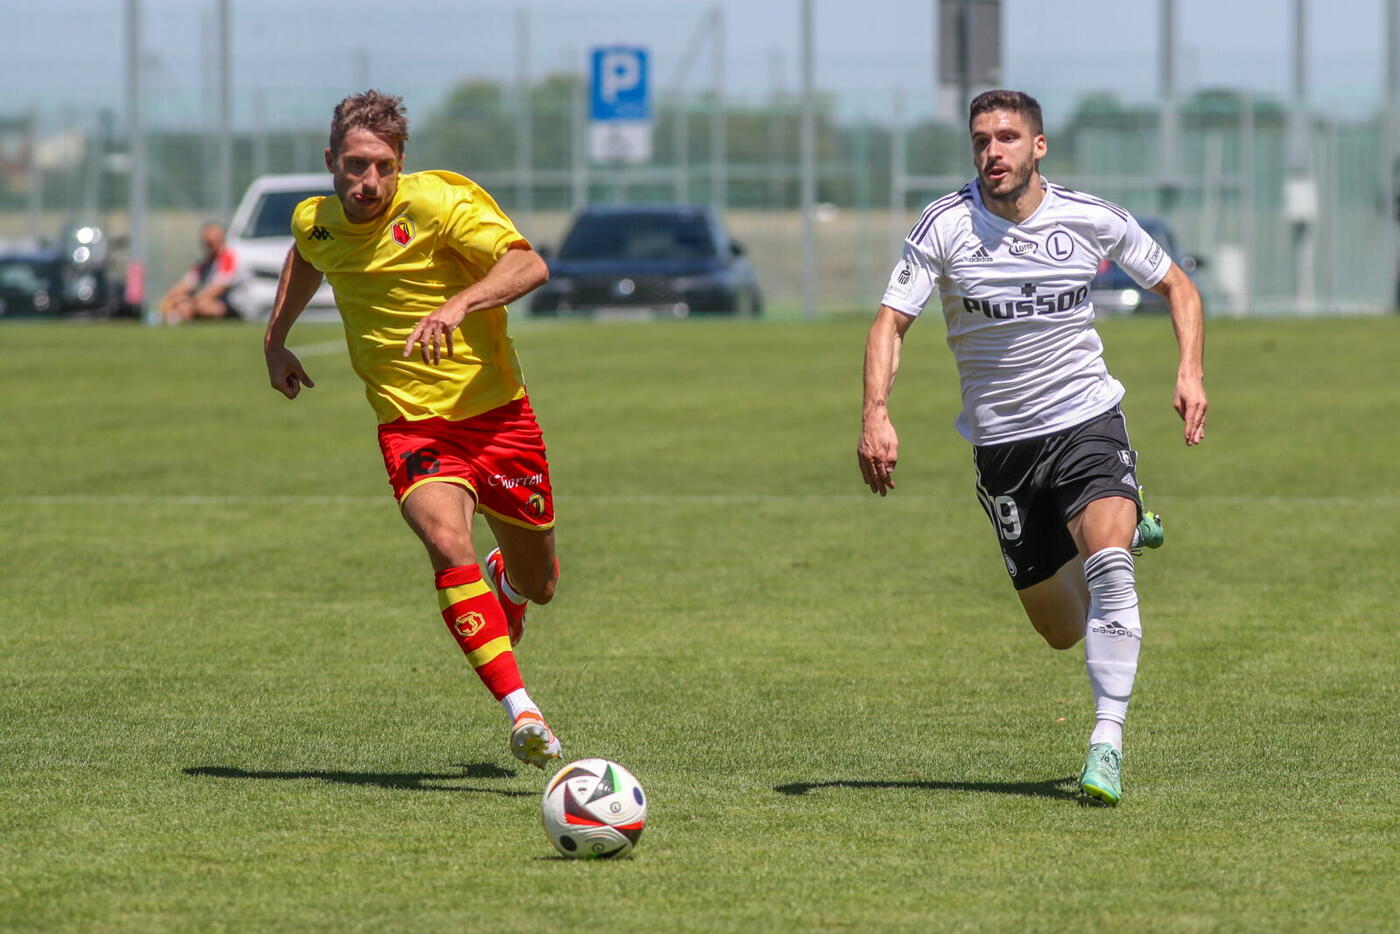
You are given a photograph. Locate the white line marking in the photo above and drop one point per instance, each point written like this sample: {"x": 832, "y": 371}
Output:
{"x": 321, "y": 349}
{"x": 655, "y": 499}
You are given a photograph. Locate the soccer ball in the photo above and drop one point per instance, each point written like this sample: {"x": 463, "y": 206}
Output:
{"x": 593, "y": 809}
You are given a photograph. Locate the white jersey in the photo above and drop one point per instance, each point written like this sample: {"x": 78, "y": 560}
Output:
{"x": 1016, "y": 300}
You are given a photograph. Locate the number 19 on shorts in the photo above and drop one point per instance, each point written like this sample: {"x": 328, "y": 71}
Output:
{"x": 1004, "y": 513}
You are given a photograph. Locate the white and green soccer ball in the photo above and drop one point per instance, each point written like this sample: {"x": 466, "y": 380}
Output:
{"x": 594, "y": 809}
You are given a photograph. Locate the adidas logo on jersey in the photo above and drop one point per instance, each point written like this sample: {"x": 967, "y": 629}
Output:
{"x": 979, "y": 255}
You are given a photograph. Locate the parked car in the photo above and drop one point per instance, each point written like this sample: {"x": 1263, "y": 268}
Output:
{"x": 1114, "y": 292}
{"x": 69, "y": 276}
{"x": 652, "y": 260}
{"x": 260, "y": 235}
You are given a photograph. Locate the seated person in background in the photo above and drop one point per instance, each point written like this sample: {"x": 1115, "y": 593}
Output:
{"x": 202, "y": 292}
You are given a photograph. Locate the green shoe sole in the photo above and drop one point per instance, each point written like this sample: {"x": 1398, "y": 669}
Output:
{"x": 1102, "y": 795}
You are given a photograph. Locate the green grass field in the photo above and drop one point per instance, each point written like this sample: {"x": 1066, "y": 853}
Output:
{"x": 227, "y": 701}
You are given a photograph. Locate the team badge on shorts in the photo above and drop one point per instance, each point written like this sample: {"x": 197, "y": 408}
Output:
{"x": 1010, "y": 565}
{"x": 536, "y": 505}
{"x": 469, "y": 624}
{"x": 402, "y": 230}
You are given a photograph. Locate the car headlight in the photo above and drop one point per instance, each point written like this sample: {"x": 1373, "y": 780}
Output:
{"x": 1130, "y": 298}
{"x": 85, "y": 288}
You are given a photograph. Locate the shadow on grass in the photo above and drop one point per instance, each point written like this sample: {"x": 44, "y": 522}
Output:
{"x": 401, "y": 781}
{"x": 1064, "y": 788}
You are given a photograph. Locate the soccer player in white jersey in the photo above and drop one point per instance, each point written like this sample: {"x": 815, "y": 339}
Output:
{"x": 1011, "y": 256}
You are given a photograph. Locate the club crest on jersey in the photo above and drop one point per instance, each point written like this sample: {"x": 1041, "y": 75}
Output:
{"x": 469, "y": 624}
{"x": 402, "y": 230}
{"x": 1060, "y": 246}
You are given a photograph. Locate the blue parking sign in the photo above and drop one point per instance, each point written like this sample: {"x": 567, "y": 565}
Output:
{"x": 620, "y": 90}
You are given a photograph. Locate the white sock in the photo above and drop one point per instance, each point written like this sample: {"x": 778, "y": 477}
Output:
{"x": 1107, "y": 731}
{"x": 1112, "y": 640}
{"x": 517, "y": 702}
{"x": 510, "y": 592}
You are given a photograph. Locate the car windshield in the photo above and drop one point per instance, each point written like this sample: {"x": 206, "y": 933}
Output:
{"x": 24, "y": 277}
{"x": 273, "y": 215}
{"x": 639, "y": 236}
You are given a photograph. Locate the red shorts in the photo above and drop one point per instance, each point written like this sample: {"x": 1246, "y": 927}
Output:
{"x": 499, "y": 455}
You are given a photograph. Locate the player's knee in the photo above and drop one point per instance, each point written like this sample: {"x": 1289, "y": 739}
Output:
{"x": 446, "y": 543}
{"x": 1060, "y": 633}
{"x": 541, "y": 589}
{"x": 1059, "y": 641}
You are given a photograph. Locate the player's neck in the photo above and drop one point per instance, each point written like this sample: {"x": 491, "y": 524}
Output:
{"x": 1019, "y": 207}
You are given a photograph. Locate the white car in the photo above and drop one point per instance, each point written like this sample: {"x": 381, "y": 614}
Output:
{"x": 260, "y": 235}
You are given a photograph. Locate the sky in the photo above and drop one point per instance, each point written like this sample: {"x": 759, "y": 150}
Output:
{"x": 300, "y": 56}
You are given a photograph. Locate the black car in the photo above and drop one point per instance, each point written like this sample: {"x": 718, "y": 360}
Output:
{"x": 44, "y": 280}
{"x": 651, "y": 260}
{"x": 1114, "y": 292}
{"x": 30, "y": 283}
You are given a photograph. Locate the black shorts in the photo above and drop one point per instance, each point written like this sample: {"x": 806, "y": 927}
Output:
{"x": 1032, "y": 488}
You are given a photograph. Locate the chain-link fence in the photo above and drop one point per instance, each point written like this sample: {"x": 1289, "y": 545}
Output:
{"x": 1237, "y": 200}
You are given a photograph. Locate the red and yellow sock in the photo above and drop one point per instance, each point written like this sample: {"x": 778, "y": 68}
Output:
{"x": 476, "y": 620}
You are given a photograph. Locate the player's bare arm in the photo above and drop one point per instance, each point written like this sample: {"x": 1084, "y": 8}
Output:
{"x": 878, "y": 449}
{"x": 1188, "y": 321}
{"x": 298, "y": 284}
{"x": 517, "y": 273}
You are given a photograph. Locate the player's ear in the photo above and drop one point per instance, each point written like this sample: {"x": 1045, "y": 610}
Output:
{"x": 330, "y": 160}
{"x": 1040, "y": 147}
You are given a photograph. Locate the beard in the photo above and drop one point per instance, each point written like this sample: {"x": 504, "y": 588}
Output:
{"x": 1015, "y": 183}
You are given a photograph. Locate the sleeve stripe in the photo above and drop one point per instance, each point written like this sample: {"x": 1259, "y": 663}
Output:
{"x": 937, "y": 207}
{"x": 1070, "y": 195}
{"x": 920, "y": 231}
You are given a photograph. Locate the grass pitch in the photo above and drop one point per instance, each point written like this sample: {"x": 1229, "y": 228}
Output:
{"x": 227, "y": 701}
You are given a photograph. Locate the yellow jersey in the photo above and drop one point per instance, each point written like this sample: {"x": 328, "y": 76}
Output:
{"x": 441, "y": 234}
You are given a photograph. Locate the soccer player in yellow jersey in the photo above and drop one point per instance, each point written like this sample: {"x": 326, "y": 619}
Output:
{"x": 422, "y": 266}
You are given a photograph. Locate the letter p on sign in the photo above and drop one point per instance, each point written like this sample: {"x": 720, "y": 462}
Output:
{"x": 621, "y": 71}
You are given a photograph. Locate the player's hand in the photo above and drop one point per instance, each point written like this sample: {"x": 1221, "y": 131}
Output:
{"x": 877, "y": 453}
{"x": 285, "y": 373}
{"x": 434, "y": 333}
{"x": 1189, "y": 400}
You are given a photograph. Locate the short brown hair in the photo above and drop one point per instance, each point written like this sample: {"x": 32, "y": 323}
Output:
{"x": 1014, "y": 101}
{"x": 381, "y": 114}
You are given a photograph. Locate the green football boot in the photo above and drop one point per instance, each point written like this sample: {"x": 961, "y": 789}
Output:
{"x": 1150, "y": 533}
{"x": 1102, "y": 776}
